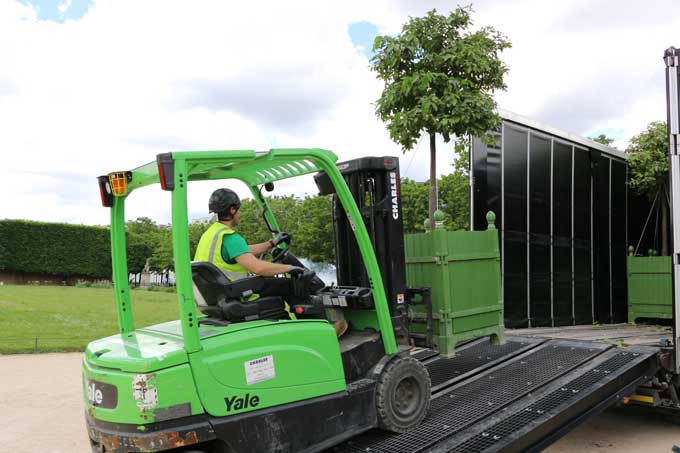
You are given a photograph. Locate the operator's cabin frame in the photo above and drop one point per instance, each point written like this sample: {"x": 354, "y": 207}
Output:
{"x": 254, "y": 168}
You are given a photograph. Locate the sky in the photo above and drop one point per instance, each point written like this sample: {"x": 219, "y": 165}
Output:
{"x": 93, "y": 86}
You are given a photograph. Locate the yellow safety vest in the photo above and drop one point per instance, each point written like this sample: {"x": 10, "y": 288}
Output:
{"x": 210, "y": 249}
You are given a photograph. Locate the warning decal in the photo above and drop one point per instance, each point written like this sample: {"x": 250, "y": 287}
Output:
{"x": 259, "y": 370}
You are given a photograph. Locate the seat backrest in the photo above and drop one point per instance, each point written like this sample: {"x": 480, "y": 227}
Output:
{"x": 209, "y": 283}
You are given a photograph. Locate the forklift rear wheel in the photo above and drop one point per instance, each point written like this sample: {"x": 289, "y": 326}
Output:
{"x": 402, "y": 395}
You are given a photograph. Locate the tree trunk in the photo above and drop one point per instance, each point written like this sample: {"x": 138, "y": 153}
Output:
{"x": 433, "y": 180}
{"x": 664, "y": 224}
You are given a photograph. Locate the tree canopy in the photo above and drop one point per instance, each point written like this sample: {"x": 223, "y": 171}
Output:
{"x": 648, "y": 170}
{"x": 602, "y": 138}
{"x": 439, "y": 77}
{"x": 648, "y": 160}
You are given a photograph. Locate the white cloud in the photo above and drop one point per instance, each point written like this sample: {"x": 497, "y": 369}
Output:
{"x": 64, "y": 6}
{"x": 132, "y": 79}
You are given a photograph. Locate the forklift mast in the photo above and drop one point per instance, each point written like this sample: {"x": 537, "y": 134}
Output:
{"x": 375, "y": 187}
{"x": 672, "y": 101}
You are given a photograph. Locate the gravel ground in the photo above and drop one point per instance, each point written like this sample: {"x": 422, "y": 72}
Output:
{"x": 41, "y": 410}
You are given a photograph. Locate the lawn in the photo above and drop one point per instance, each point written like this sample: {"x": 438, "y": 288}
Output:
{"x": 65, "y": 318}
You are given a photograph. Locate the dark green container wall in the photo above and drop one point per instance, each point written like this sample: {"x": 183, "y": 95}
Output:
{"x": 539, "y": 230}
{"x": 619, "y": 240}
{"x": 514, "y": 227}
{"x": 582, "y": 288}
{"x": 562, "y": 227}
{"x": 487, "y": 168}
{"x": 561, "y": 247}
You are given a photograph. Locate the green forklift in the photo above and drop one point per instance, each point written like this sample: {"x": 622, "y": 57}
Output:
{"x": 240, "y": 375}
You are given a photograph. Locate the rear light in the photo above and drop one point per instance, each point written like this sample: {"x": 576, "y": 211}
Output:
{"x": 105, "y": 191}
{"x": 166, "y": 171}
{"x": 299, "y": 310}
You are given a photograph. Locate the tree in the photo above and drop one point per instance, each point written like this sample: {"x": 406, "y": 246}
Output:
{"x": 142, "y": 226}
{"x": 603, "y": 139}
{"x": 413, "y": 204}
{"x": 439, "y": 78}
{"x": 196, "y": 230}
{"x": 314, "y": 232}
{"x": 648, "y": 170}
{"x": 138, "y": 251}
{"x": 454, "y": 188}
{"x": 162, "y": 259}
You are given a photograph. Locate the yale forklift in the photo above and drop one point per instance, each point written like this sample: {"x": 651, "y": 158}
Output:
{"x": 239, "y": 375}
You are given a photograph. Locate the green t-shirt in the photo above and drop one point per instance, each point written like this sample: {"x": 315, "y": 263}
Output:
{"x": 233, "y": 245}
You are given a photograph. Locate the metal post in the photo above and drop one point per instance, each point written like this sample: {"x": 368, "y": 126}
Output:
{"x": 552, "y": 258}
{"x": 672, "y": 101}
{"x": 528, "y": 233}
{"x": 471, "y": 184}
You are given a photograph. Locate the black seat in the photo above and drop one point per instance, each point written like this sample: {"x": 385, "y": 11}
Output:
{"x": 220, "y": 298}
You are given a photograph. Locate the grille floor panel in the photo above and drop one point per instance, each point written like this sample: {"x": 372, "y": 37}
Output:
{"x": 481, "y": 395}
{"x": 508, "y": 427}
{"x": 475, "y": 357}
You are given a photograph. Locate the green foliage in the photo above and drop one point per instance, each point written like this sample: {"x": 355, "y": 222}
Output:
{"x": 139, "y": 249}
{"x": 648, "y": 160}
{"x": 413, "y": 204}
{"x": 308, "y": 220}
{"x": 161, "y": 259}
{"x": 454, "y": 195}
{"x": 314, "y": 232}
{"x": 142, "y": 226}
{"x": 602, "y": 138}
{"x": 196, "y": 230}
{"x": 55, "y": 248}
{"x": 440, "y": 75}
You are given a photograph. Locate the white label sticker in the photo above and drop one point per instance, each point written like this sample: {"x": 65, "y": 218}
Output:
{"x": 259, "y": 370}
{"x": 342, "y": 301}
{"x": 144, "y": 391}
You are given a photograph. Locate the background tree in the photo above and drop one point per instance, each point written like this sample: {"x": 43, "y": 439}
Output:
{"x": 313, "y": 238}
{"x": 139, "y": 250}
{"x": 648, "y": 170}
{"x": 454, "y": 189}
{"x": 196, "y": 230}
{"x": 603, "y": 139}
{"x": 439, "y": 79}
{"x": 162, "y": 260}
{"x": 414, "y": 197}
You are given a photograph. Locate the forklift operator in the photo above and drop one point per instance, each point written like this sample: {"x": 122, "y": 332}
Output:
{"x": 226, "y": 249}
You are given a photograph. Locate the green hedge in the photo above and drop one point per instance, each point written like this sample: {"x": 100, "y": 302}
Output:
{"x": 55, "y": 248}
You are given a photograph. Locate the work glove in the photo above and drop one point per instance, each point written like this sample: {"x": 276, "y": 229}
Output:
{"x": 282, "y": 237}
{"x": 301, "y": 282}
{"x": 296, "y": 270}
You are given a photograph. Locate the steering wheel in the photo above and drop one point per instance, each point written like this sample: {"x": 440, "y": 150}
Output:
{"x": 279, "y": 255}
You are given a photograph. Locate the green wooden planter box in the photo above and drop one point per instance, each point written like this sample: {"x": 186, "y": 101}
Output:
{"x": 649, "y": 287}
{"x": 462, "y": 268}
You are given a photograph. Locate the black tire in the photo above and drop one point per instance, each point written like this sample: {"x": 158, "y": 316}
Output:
{"x": 402, "y": 395}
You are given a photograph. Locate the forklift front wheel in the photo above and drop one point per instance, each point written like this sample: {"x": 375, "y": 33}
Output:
{"x": 402, "y": 395}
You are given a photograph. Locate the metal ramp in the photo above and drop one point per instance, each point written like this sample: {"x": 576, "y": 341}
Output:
{"x": 523, "y": 395}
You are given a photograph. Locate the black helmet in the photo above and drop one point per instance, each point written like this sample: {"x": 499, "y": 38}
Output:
{"x": 223, "y": 199}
